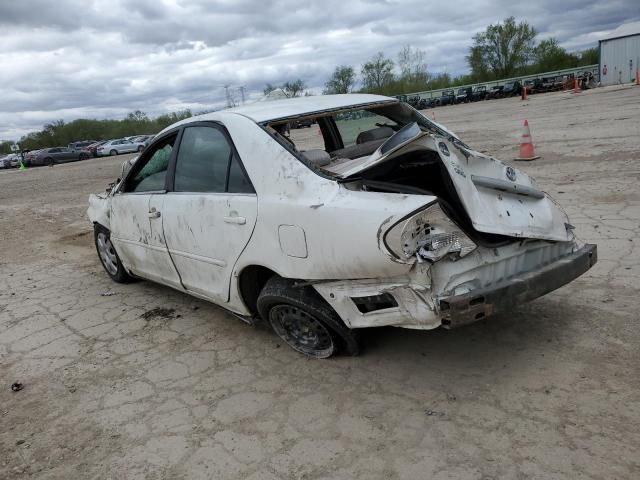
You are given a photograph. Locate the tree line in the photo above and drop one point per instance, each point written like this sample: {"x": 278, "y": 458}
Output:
{"x": 505, "y": 49}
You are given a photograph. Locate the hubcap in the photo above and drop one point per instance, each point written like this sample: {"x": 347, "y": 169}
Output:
{"x": 301, "y": 331}
{"x": 107, "y": 253}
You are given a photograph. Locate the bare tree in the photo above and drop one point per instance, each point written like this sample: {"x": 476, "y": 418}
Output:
{"x": 413, "y": 69}
{"x": 295, "y": 88}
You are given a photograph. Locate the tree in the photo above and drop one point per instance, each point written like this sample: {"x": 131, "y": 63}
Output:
{"x": 413, "y": 69}
{"x": 294, "y": 89}
{"x": 268, "y": 88}
{"x": 342, "y": 80}
{"x": 137, "y": 116}
{"x": 590, "y": 56}
{"x": 549, "y": 55}
{"x": 503, "y": 48}
{"x": 377, "y": 73}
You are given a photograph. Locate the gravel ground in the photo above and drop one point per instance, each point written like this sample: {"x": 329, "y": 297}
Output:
{"x": 139, "y": 381}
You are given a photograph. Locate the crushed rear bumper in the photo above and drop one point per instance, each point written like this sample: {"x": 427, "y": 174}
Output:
{"x": 459, "y": 310}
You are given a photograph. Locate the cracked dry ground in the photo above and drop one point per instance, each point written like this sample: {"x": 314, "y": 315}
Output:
{"x": 146, "y": 382}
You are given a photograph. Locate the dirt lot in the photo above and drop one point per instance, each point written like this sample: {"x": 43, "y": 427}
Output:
{"x": 139, "y": 381}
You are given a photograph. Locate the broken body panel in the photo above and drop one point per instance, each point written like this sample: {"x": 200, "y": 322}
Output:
{"x": 485, "y": 227}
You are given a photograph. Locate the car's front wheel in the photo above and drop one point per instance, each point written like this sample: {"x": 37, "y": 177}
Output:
{"x": 108, "y": 255}
{"x": 113, "y": 152}
{"x": 304, "y": 321}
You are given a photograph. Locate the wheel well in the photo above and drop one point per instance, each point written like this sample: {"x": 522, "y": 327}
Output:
{"x": 250, "y": 284}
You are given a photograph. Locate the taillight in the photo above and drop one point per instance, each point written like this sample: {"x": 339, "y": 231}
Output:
{"x": 428, "y": 235}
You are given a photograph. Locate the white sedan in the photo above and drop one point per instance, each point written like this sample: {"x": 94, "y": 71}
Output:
{"x": 118, "y": 146}
{"x": 375, "y": 216}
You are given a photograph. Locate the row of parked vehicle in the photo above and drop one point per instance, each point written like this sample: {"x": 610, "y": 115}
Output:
{"x": 75, "y": 151}
{"x": 509, "y": 89}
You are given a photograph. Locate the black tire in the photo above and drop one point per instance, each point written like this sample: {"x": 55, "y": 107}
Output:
{"x": 113, "y": 153}
{"x": 83, "y": 156}
{"x": 108, "y": 256}
{"x": 304, "y": 320}
{"x": 140, "y": 148}
{"x": 49, "y": 161}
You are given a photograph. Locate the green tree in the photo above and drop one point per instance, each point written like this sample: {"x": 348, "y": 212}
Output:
{"x": 549, "y": 55}
{"x": 502, "y": 49}
{"x": 377, "y": 73}
{"x": 590, "y": 56}
{"x": 342, "y": 80}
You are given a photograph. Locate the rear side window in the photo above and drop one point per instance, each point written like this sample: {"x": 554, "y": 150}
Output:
{"x": 352, "y": 124}
{"x": 207, "y": 163}
{"x": 202, "y": 161}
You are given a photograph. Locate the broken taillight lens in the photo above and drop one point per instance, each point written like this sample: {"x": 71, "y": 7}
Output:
{"x": 428, "y": 235}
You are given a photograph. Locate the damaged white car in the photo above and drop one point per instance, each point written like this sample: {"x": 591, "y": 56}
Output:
{"x": 373, "y": 216}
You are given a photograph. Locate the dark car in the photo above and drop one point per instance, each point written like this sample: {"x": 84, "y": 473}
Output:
{"x": 495, "y": 92}
{"x": 302, "y": 123}
{"x": 479, "y": 93}
{"x": 51, "y": 156}
{"x": 464, "y": 95}
{"x": 512, "y": 89}
{"x": 81, "y": 145}
{"x": 448, "y": 97}
{"x": 93, "y": 148}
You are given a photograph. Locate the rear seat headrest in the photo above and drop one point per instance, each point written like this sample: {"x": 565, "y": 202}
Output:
{"x": 374, "y": 134}
{"x": 317, "y": 157}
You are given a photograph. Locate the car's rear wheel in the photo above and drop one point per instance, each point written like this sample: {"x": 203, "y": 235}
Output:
{"x": 83, "y": 156}
{"x": 140, "y": 148}
{"x": 49, "y": 161}
{"x": 113, "y": 152}
{"x": 300, "y": 317}
{"x": 108, "y": 255}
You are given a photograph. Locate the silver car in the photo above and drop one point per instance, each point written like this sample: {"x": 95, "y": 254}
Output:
{"x": 118, "y": 146}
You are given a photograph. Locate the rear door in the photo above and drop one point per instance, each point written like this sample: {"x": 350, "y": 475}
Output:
{"x": 210, "y": 214}
{"x": 136, "y": 216}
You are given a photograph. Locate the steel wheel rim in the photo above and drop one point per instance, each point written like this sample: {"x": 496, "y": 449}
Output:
{"x": 107, "y": 253}
{"x": 301, "y": 331}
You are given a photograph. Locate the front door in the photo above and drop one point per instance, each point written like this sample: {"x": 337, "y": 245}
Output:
{"x": 136, "y": 217}
{"x": 210, "y": 214}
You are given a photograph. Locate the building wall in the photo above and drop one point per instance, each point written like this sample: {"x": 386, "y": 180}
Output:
{"x": 619, "y": 59}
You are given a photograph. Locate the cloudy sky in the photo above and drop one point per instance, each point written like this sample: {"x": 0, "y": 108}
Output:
{"x": 67, "y": 59}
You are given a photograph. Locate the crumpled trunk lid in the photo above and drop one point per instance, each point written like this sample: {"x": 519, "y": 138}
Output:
{"x": 498, "y": 199}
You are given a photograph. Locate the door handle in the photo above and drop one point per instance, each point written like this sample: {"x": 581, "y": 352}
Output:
{"x": 153, "y": 213}
{"x": 236, "y": 220}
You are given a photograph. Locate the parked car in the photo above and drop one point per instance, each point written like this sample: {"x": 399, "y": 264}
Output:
{"x": 118, "y": 146}
{"x": 447, "y": 97}
{"x": 464, "y": 95}
{"x": 54, "y": 155}
{"x": 93, "y": 148}
{"x": 304, "y": 123}
{"x": 512, "y": 89}
{"x": 10, "y": 161}
{"x": 479, "y": 93}
{"x": 496, "y": 91}
{"x": 432, "y": 232}
{"x": 82, "y": 145}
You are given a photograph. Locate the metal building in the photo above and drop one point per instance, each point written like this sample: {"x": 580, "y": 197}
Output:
{"x": 620, "y": 56}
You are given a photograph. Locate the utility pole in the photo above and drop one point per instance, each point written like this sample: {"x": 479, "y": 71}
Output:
{"x": 242, "y": 87}
{"x": 227, "y": 94}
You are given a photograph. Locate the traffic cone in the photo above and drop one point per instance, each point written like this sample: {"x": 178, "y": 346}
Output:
{"x": 576, "y": 89}
{"x": 527, "y": 152}
{"x": 637, "y": 76}
{"x": 22, "y": 167}
{"x": 433, "y": 115}
{"x": 524, "y": 93}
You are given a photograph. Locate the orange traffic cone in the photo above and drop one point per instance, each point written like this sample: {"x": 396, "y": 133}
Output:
{"x": 637, "y": 77}
{"x": 527, "y": 152}
{"x": 524, "y": 93}
{"x": 433, "y": 115}
{"x": 576, "y": 89}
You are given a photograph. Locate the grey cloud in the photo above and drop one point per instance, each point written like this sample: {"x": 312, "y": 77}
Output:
{"x": 101, "y": 58}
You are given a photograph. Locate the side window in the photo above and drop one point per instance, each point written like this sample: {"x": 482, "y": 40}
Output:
{"x": 352, "y": 124}
{"x": 238, "y": 181}
{"x": 202, "y": 161}
{"x": 152, "y": 170}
